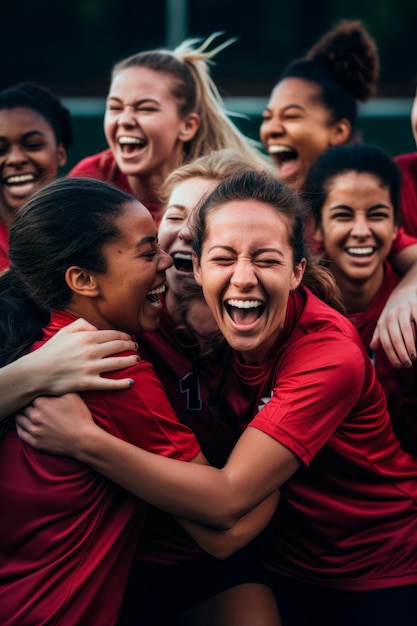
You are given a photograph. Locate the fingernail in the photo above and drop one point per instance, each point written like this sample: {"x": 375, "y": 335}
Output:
{"x": 136, "y": 346}
{"x": 138, "y": 359}
{"x": 131, "y": 382}
{"x": 412, "y": 356}
{"x": 407, "y": 364}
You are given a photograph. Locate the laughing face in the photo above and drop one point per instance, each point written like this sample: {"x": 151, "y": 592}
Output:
{"x": 29, "y": 157}
{"x": 297, "y": 128}
{"x": 247, "y": 272}
{"x": 142, "y": 124}
{"x": 126, "y": 296}
{"x": 357, "y": 229}
{"x": 172, "y": 232}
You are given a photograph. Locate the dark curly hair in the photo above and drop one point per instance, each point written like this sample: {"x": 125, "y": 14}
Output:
{"x": 344, "y": 63}
{"x": 40, "y": 99}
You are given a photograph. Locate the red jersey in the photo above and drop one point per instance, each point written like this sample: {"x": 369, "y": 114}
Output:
{"x": 103, "y": 166}
{"x": 399, "y": 385}
{"x": 67, "y": 534}
{"x": 4, "y": 247}
{"x": 208, "y": 401}
{"x": 347, "y": 519}
{"x": 408, "y": 167}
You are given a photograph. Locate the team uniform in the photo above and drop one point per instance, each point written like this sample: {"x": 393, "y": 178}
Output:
{"x": 4, "y": 247}
{"x": 408, "y": 167}
{"x": 347, "y": 519}
{"x": 103, "y": 166}
{"x": 67, "y": 534}
{"x": 171, "y": 572}
{"x": 399, "y": 385}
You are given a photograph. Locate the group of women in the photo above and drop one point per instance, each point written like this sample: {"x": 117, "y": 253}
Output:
{"x": 300, "y": 505}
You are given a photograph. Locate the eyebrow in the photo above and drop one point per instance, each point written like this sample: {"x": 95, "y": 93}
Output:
{"x": 145, "y": 240}
{"x": 259, "y": 251}
{"x": 180, "y": 207}
{"x": 136, "y": 102}
{"x": 288, "y": 106}
{"x": 28, "y": 135}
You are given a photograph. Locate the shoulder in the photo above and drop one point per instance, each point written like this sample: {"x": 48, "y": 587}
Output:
{"x": 94, "y": 164}
{"x": 407, "y": 162}
{"x": 315, "y": 317}
{"x": 322, "y": 343}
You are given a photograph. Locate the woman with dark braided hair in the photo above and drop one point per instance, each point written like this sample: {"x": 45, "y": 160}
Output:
{"x": 35, "y": 134}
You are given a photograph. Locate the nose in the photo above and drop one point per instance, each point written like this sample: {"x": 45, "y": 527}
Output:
{"x": 16, "y": 154}
{"x": 164, "y": 261}
{"x": 127, "y": 116}
{"x": 360, "y": 227}
{"x": 243, "y": 276}
{"x": 272, "y": 127}
{"x": 185, "y": 232}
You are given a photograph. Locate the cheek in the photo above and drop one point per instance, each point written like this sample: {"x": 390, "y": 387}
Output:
{"x": 108, "y": 125}
{"x": 167, "y": 237}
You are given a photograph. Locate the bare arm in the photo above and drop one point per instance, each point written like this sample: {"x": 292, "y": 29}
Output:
{"x": 223, "y": 543}
{"x": 396, "y": 330}
{"x": 257, "y": 467}
{"x": 71, "y": 361}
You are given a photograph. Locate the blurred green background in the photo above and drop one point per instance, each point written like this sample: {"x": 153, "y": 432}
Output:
{"x": 70, "y": 46}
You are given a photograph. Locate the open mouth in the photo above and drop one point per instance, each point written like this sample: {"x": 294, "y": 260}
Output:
{"x": 131, "y": 144}
{"x": 244, "y": 312}
{"x": 152, "y": 296}
{"x": 361, "y": 251}
{"x": 282, "y": 154}
{"x": 183, "y": 262}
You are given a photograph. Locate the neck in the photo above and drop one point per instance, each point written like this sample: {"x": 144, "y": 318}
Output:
{"x": 147, "y": 187}
{"x": 172, "y": 303}
{"x": 358, "y": 294}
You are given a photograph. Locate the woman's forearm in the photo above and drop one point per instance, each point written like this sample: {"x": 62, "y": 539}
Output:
{"x": 20, "y": 382}
{"x": 72, "y": 360}
{"x": 222, "y": 543}
{"x": 163, "y": 482}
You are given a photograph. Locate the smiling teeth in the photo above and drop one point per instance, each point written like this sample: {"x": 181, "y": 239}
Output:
{"x": 22, "y": 178}
{"x": 276, "y": 149}
{"x": 157, "y": 290}
{"x": 131, "y": 140}
{"x": 360, "y": 251}
{"x": 244, "y": 304}
{"x": 182, "y": 255}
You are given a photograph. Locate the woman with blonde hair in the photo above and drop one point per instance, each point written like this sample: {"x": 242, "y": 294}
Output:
{"x": 163, "y": 110}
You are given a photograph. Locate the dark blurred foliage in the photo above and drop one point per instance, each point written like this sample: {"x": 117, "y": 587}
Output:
{"x": 71, "y": 45}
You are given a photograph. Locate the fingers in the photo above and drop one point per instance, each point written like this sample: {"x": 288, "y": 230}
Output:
{"x": 79, "y": 324}
{"x": 108, "y": 384}
{"x": 397, "y": 339}
{"x": 105, "y": 348}
{"x": 99, "y": 336}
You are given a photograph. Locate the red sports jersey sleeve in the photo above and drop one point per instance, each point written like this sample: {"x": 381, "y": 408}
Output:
{"x": 348, "y": 517}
